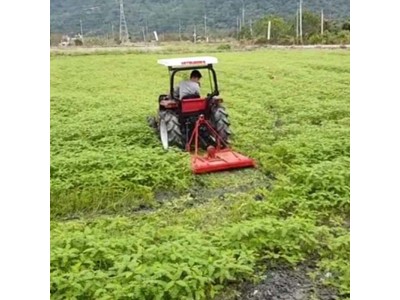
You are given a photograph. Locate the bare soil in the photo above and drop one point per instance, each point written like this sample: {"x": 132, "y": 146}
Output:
{"x": 287, "y": 284}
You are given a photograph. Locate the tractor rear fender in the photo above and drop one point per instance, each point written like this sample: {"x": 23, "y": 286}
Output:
{"x": 216, "y": 100}
{"x": 168, "y": 103}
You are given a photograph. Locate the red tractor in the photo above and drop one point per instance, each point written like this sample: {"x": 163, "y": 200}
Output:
{"x": 194, "y": 123}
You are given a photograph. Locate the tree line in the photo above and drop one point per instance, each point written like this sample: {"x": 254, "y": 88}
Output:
{"x": 286, "y": 31}
{"x": 269, "y": 29}
{"x": 101, "y": 17}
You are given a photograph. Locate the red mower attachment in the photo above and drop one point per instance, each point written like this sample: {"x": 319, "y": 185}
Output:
{"x": 216, "y": 159}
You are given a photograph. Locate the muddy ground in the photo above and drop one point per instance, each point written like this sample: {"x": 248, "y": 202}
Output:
{"x": 221, "y": 184}
{"x": 287, "y": 284}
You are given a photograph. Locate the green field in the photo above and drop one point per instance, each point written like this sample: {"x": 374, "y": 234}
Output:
{"x": 130, "y": 221}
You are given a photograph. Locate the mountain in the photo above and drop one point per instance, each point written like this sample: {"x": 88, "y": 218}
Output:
{"x": 99, "y": 17}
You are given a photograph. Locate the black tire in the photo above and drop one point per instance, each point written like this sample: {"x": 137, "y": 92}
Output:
{"x": 220, "y": 122}
{"x": 175, "y": 137}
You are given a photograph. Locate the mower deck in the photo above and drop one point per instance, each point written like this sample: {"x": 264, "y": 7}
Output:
{"x": 224, "y": 159}
{"x": 217, "y": 158}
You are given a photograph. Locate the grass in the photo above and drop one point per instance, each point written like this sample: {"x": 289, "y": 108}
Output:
{"x": 289, "y": 110}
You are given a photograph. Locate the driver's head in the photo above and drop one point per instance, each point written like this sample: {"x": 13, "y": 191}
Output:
{"x": 195, "y": 76}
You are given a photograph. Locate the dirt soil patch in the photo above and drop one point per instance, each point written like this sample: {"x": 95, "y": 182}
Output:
{"x": 287, "y": 284}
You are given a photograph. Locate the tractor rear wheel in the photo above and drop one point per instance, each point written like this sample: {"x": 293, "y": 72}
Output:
{"x": 170, "y": 129}
{"x": 220, "y": 122}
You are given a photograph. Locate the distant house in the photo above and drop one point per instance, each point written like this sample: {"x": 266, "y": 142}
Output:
{"x": 65, "y": 40}
{"x": 75, "y": 41}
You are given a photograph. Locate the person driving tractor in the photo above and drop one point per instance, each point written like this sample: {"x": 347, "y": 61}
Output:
{"x": 189, "y": 88}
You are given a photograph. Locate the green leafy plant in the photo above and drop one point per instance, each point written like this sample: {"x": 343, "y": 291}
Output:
{"x": 147, "y": 228}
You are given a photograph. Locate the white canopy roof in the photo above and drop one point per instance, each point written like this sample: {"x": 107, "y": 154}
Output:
{"x": 188, "y": 61}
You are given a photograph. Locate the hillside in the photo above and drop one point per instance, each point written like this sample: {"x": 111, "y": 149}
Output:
{"x": 102, "y": 16}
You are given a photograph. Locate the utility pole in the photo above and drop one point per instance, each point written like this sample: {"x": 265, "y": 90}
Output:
{"x": 251, "y": 28}
{"x": 180, "y": 31}
{"x": 297, "y": 25}
{"x": 123, "y": 28}
{"x": 80, "y": 22}
{"x": 237, "y": 27}
{"x": 243, "y": 12}
{"x": 144, "y": 36}
{"x": 147, "y": 27}
{"x": 194, "y": 35}
{"x": 205, "y": 20}
{"x": 112, "y": 30}
{"x": 300, "y": 22}
{"x": 205, "y": 27}
{"x": 322, "y": 22}
{"x": 269, "y": 30}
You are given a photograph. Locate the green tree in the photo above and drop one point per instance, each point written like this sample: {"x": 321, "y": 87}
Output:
{"x": 346, "y": 25}
{"x": 245, "y": 33}
{"x": 279, "y": 28}
{"x": 311, "y": 24}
